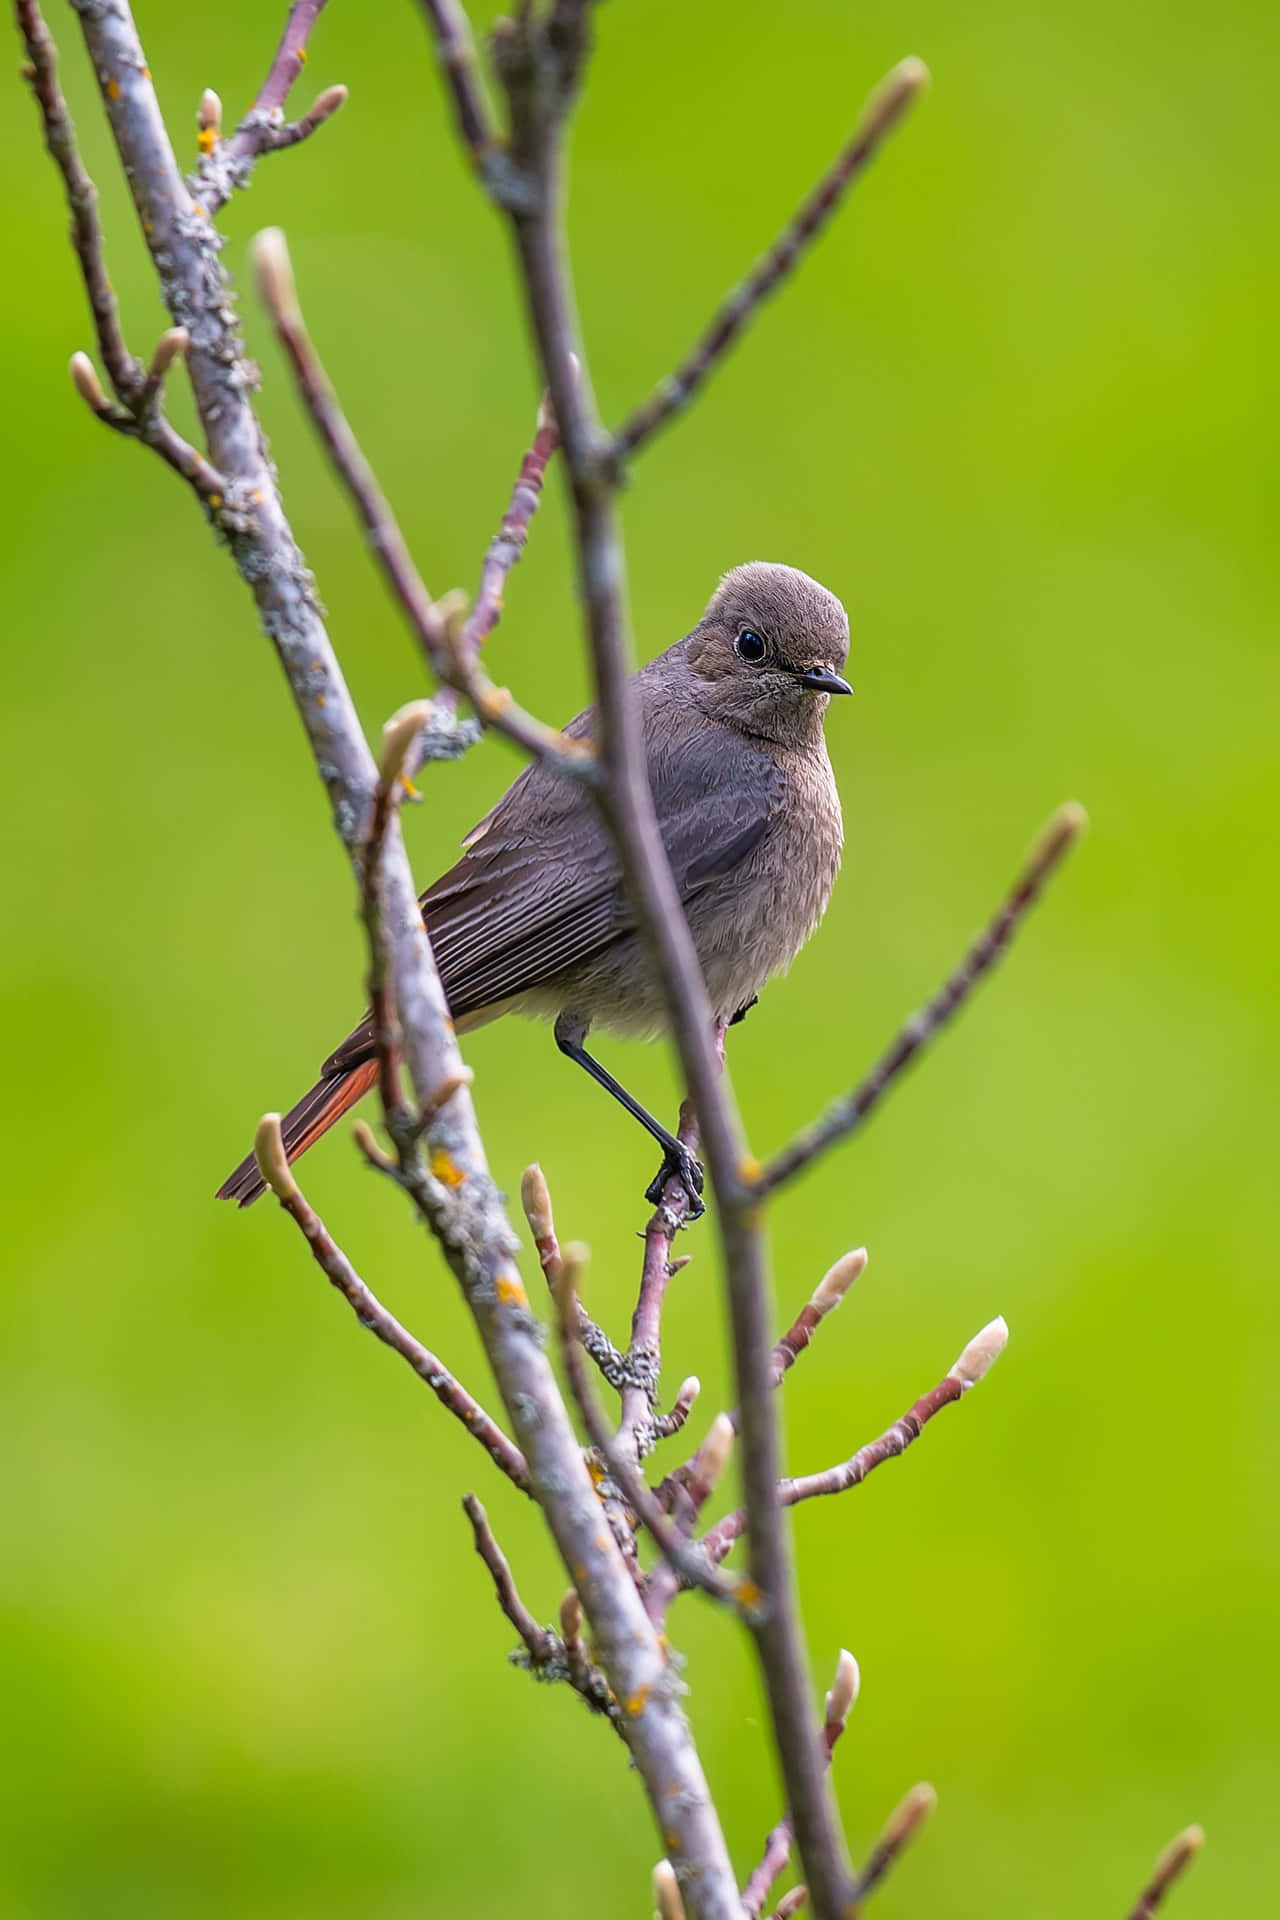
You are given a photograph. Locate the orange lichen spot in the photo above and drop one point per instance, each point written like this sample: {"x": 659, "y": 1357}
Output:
{"x": 197, "y": 208}
{"x": 410, "y": 789}
{"x": 146, "y": 73}
{"x": 207, "y": 139}
{"x": 638, "y": 1701}
{"x": 215, "y": 501}
{"x": 748, "y": 1593}
{"x": 595, "y": 1471}
{"x": 749, "y": 1169}
{"x": 510, "y": 1292}
{"x": 302, "y": 56}
{"x": 319, "y": 699}
{"x": 257, "y": 496}
{"x": 113, "y": 88}
{"x": 494, "y": 702}
{"x": 446, "y": 1169}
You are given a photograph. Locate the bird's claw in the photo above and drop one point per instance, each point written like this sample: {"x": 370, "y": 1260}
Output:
{"x": 679, "y": 1164}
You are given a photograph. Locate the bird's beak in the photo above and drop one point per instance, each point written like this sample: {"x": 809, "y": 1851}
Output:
{"x": 823, "y": 680}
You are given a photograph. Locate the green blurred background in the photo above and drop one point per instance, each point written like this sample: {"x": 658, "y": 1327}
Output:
{"x": 1019, "y": 411}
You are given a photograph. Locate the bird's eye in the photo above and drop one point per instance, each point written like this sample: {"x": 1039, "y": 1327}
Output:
{"x": 749, "y": 646}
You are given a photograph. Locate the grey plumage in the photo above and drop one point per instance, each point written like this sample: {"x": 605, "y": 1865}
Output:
{"x": 533, "y": 918}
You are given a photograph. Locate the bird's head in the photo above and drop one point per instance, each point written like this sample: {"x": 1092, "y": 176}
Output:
{"x": 767, "y": 654}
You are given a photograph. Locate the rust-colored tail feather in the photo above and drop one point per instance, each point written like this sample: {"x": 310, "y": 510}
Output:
{"x": 303, "y": 1125}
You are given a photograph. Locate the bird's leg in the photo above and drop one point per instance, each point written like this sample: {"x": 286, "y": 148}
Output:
{"x": 677, "y": 1158}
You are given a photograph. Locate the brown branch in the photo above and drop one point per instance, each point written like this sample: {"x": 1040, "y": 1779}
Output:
{"x": 227, "y": 165}
{"x": 1170, "y": 1867}
{"x": 847, "y": 1114}
{"x": 777, "y": 1849}
{"x": 881, "y": 114}
{"x": 457, "y": 1198}
{"x": 508, "y": 543}
{"x": 451, "y": 35}
{"x": 524, "y": 55}
{"x": 901, "y": 1827}
{"x": 373, "y": 1316}
{"x": 137, "y": 412}
{"x": 541, "y": 1645}
{"x": 790, "y": 1904}
{"x": 428, "y": 619}
{"x": 981, "y": 1354}
{"x": 535, "y": 1198}
{"x": 687, "y": 1558}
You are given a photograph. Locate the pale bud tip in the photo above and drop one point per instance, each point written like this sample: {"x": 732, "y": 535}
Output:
{"x": 273, "y": 1165}
{"x": 398, "y": 736}
{"x": 666, "y": 1892}
{"x": 273, "y": 271}
{"x": 85, "y": 379}
{"x": 571, "y": 1615}
{"x": 982, "y": 1352}
{"x": 912, "y": 73}
{"x": 834, "y": 1284}
{"x": 689, "y": 1391}
{"x": 844, "y": 1689}
{"x": 917, "y": 1806}
{"x": 1178, "y": 1855}
{"x": 535, "y": 1198}
{"x": 327, "y": 104}
{"x": 172, "y": 345}
{"x": 715, "y": 1452}
{"x": 209, "y": 112}
{"x": 1071, "y": 820}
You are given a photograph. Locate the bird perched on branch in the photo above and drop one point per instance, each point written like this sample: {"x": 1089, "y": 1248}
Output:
{"x": 534, "y": 919}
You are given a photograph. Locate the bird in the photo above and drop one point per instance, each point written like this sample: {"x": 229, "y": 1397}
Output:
{"x": 534, "y": 919}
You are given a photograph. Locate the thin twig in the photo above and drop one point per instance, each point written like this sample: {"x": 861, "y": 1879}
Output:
{"x": 535, "y": 1198}
{"x": 790, "y": 1904}
{"x": 1170, "y": 1867}
{"x": 847, "y": 1114}
{"x": 226, "y": 165}
{"x": 373, "y": 1316}
{"x": 777, "y": 1851}
{"x": 541, "y": 1645}
{"x": 880, "y": 115}
{"x": 901, "y": 1827}
{"x": 508, "y": 543}
{"x": 686, "y": 1557}
{"x": 522, "y": 56}
{"x": 451, "y": 33}
{"x": 981, "y": 1353}
{"x": 428, "y": 619}
{"x": 826, "y": 1297}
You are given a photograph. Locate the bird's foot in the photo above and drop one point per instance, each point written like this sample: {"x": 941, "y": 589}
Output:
{"x": 678, "y": 1164}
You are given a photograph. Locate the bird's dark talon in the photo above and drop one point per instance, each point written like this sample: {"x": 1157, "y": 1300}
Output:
{"x": 679, "y": 1164}
{"x": 742, "y": 1012}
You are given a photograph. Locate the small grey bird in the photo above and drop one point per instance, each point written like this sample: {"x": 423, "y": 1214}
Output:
{"x": 533, "y": 919}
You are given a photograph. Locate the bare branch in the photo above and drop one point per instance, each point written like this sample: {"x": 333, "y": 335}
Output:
{"x": 451, "y": 33}
{"x": 980, "y": 1354}
{"x": 226, "y": 165}
{"x": 373, "y": 1316}
{"x": 508, "y": 543}
{"x": 826, "y": 1297}
{"x": 839, "y": 1703}
{"x": 457, "y": 1196}
{"x": 535, "y": 1198}
{"x": 1170, "y": 1867}
{"x": 523, "y": 54}
{"x": 428, "y": 619}
{"x": 127, "y": 376}
{"x": 881, "y": 114}
{"x": 901, "y": 1827}
{"x": 790, "y": 1904}
{"x": 541, "y": 1644}
{"x": 670, "y": 1423}
{"x": 847, "y": 1114}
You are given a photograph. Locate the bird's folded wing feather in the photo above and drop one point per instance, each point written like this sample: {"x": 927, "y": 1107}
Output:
{"x": 538, "y": 890}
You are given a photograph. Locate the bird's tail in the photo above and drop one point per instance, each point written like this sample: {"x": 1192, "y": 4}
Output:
{"x": 303, "y": 1125}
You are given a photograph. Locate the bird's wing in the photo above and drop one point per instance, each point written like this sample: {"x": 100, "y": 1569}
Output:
{"x": 538, "y": 889}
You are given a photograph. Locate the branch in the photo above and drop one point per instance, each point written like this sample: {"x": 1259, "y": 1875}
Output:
{"x": 429, "y": 620}
{"x": 541, "y": 1645}
{"x": 537, "y": 77}
{"x": 458, "y": 1199}
{"x": 226, "y": 165}
{"x": 1170, "y": 1867}
{"x": 826, "y": 1297}
{"x": 451, "y": 32}
{"x": 134, "y": 413}
{"x": 880, "y": 115}
{"x": 372, "y": 1315}
{"x": 777, "y": 1851}
{"x": 978, "y": 1357}
{"x": 901, "y": 1827}
{"x": 847, "y": 1114}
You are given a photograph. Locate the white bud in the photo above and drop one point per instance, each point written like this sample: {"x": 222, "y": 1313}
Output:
{"x": 844, "y": 1689}
{"x": 714, "y": 1454}
{"x": 273, "y": 1164}
{"x": 981, "y": 1353}
{"x": 834, "y": 1284}
{"x": 666, "y": 1892}
{"x": 398, "y": 736}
